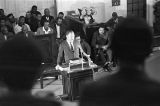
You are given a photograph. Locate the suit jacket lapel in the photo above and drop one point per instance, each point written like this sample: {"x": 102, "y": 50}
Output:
{"x": 67, "y": 45}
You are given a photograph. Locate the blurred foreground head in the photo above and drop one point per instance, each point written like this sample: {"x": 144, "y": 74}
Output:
{"x": 132, "y": 40}
{"x": 20, "y": 60}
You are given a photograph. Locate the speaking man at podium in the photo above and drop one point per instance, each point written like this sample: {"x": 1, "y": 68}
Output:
{"x": 69, "y": 49}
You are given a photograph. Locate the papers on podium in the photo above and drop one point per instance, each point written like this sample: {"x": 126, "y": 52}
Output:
{"x": 76, "y": 64}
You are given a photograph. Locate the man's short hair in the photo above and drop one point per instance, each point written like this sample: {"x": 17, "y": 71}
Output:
{"x": 61, "y": 13}
{"x": 20, "y": 60}
{"x": 114, "y": 14}
{"x": 21, "y": 17}
{"x": 132, "y": 40}
{"x": 58, "y": 18}
{"x": 34, "y": 6}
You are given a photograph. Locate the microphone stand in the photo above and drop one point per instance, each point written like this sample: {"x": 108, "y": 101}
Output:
{"x": 82, "y": 61}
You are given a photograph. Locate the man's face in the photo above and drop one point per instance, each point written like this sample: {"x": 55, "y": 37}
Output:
{"x": 11, "y": 19}
{"x": 46, "y": 25}
{"x": 70, "y": 36}
{"x": 4, "y": 30}
{"x": 39, "y": 16}
{"x": 24, "y": 28}
{"x": 2, "y": 23}
{"x": 61, "y": 16}
{"x": 1, "y": 12}
{"x": 47, "y": 12}
{"x": 28, "y": 15}
{"x": 34, "y": 9}
{"x": 101, "y": 31}
{"x": 59, "y": 21}
{"x": 78, "y": 39}
{"x": 22, "y": 21}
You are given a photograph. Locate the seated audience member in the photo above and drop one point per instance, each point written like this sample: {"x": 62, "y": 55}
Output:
{"x": 45, "y": 29}
{"x": 39, "y": 17}
{"x": 3, "y": 22}
{"x": 21, "y": 22}
{"x": 36, "y": 22}
{"x": 34, "y": 11}
{"x": 11, "y": 21}
{"x": 28, "y": 18}
{"x": 20, "y": 61}
{"x": 84, "y": 46}
{"x": 100, "y": 45}
{"x": 2, "y": 14}
{"x": 61, "y": 15}
{"x": 60, "y": 29}
{"x": 47, "y": 17}
{"x": 5, "y": 35}
{"x": 25, "y": 32}
{"x": 130, "y": 86}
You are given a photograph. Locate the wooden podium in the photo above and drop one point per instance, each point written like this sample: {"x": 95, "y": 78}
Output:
{"x": 74, "y": 80}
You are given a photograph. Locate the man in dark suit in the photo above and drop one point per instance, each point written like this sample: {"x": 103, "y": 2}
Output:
{"x": 130, "y": 85}
{"x": 46, "y": 17}
{"x": 59, "y": 29}
{"x": 5, "y": 35}
{"x": 67, "y": 49}
{"x": 84, "y": 46}
{"x": 20, "y": 61}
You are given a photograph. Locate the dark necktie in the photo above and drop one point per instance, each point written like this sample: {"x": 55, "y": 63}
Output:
{"x": 80, "y": 55}
{"x": 71, "y": 47}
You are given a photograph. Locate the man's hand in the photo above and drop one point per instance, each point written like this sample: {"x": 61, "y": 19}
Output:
{"x": 57, "y": 67}
{"x": 97, "y": 46}
{"x": 105, "y": 47}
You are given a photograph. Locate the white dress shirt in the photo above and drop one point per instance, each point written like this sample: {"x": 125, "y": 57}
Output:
{"x": 48, "y": 31}
{"x": 58, "y": 31}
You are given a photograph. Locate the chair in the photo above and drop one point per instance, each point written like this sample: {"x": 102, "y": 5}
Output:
{"x": 47, "y": 69}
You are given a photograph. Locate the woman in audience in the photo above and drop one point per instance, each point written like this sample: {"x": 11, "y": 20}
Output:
{"x": 18, "y": 27}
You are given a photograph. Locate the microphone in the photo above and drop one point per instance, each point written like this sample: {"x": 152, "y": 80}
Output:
{"x": 81, "y": 52}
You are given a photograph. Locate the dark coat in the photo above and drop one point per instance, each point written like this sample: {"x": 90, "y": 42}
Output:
{"x": 66, "y": 53}
{"x": 128, "y": 87}
{"x": 26, "y": 100}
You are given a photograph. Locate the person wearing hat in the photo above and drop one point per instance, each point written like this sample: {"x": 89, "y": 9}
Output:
{"x": 130, "y": 85}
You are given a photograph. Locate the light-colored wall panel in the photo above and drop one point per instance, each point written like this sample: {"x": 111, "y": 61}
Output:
{"x": 20, "y": 7}
{"x": 104, "y": 7}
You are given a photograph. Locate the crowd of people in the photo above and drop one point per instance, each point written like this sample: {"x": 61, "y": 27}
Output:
{"x": 128, "y": 41}
{"x": 34, "y": 22}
